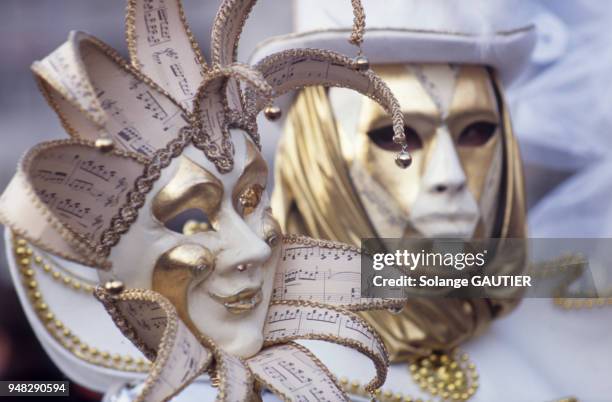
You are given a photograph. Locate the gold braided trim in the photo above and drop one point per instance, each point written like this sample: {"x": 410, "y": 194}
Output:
{"x": 359, "y": 23}
{"x": 366, "y": 303}
{"x": 319, "y": 364}
{"x": 128, "y": 213}
{"x": 378, "y": 90}
{"x": 315, "y": 360}
{"x": 380, "y": 363}
{"x": 161, "y": 354}
{"x": 130, "y": 30}
{"x": 217, "y": 81}
{"x": 222, "y": 372}
{"x": 45, "y": 85}
{"x": 309, "y": 241}
{"x": 226, "y": 43}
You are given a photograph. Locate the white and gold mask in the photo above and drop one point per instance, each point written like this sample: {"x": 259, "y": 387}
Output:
{"x": 210, "y": 251}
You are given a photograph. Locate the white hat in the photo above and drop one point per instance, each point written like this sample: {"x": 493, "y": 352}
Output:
{"x": 484, "y": 32}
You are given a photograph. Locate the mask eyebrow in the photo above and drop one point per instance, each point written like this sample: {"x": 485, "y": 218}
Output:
{"x": 191, "y": 187}
{"x": 255, "y": 172}
{"x": 474, "y": 95}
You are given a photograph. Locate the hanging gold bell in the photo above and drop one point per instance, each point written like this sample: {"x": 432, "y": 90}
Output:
{"x": 272, "y": 113}
{"x": 105, "y": 144}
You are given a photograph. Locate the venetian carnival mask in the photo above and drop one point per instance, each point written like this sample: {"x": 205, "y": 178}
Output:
{"x": 162, "y": 189}
{"x": 453, "y": 131}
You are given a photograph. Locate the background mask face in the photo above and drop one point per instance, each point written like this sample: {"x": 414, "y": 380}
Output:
{"x": 454, "y": 135}
{"x": 200, "y": 241}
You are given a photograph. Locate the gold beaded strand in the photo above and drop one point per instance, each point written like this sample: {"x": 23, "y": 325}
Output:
{"x": 27, "y": 262}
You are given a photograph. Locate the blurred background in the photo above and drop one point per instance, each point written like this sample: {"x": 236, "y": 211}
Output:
{"x": 561, "y": 112}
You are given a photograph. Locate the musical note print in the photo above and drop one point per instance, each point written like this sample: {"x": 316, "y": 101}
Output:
{"x": 292, "y": 370}
{"x": 89, "y": 183}
{"x": 156, "y": 23}
{"x": 330, "y": 275}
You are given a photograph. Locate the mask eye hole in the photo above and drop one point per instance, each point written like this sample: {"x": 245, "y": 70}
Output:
{"x": 383, "y": 138}
{"x": 477, "y": 134}
{"x": 189, "y": 222}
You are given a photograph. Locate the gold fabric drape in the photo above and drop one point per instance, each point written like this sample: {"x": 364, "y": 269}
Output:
{"x": 313, "y": 195}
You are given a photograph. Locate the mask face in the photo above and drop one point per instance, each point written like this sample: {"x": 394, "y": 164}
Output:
{"x": 454, "y": 135}
{"x": 208, "y": 243}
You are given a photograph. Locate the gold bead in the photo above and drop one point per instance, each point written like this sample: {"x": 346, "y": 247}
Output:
{"x": 24, "y": 261}
{"x": 76, "y": 285}
{"x": 362, "y": 63}
{"x": 21, "y": 242}
{"x": 93, "y": 351}
{"x": 32, "y": 284}
{"x": 105, "y": 144}
{"x": 273, "y": 113}
{"x": 29, "y": 273}
{"x": 114, "y": 287}
{"x": 20, "y": 250}
{"x": 46, "y": 267}
{"x": 344, "y": 380}
{"x": 58, "y": 324}
{"x": 398, "y": 397}
{"x": 66, "y": 332}
{"x": 37, "y": 259}
{"x": 116, "y": 358}
{"x": 66, "y": 280}
{"x": 49, "y": 316}
{"x": 105, "y": 355}
{"x": 386, "y": 393}
{"x": 56, "y": 275}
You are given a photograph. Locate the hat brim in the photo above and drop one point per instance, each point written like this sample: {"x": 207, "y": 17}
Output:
{"x": 507, "y": 52}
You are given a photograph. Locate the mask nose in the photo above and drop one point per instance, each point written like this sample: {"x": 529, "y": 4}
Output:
{"x": 243, "y": 250}
{"x": 444, "y": 173}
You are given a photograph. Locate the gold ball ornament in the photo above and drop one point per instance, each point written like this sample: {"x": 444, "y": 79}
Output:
{"x": 273, "y": 113}
{"x": 105, "y": 144}
{"x": 403, "y": 159}
{"x": 114, "y": 287}
{"x": 362, "y": 63}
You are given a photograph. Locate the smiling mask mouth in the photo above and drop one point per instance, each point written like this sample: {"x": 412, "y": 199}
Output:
{"x": 241, "y": 302}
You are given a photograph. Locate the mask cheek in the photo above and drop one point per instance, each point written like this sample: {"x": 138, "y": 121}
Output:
{"x": 399, "y": 186}
{"x": 482, "y": 167}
